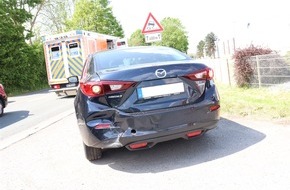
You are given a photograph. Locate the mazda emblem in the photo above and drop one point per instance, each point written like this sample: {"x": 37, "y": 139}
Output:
{"x": 160, "y": 73}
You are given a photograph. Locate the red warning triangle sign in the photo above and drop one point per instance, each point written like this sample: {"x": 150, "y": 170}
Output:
{"x": 151, "y": 25}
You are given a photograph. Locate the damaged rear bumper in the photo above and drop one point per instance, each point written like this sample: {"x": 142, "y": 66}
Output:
{"x": 150, "y": 128}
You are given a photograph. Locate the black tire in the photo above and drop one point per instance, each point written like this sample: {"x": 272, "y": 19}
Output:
{"x": 1, "y": 108}
{"x": 92, "y": 153}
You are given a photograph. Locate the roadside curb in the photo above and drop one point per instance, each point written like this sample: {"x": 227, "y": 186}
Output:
{"x": 23, "y": 135}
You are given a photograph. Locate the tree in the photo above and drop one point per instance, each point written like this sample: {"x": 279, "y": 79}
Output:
{"x": 20, "y": 63}
{"x": 96, "y": 16}
{"x": 55, "y": 14}
{"x": 200, "y": 49}
{"x": 48, "y": 17}
{"x": 32, "y": 21}
{"x": 137, "y": 39}
{"x": 210, "y": 46}
{"x": 174, "y": 34}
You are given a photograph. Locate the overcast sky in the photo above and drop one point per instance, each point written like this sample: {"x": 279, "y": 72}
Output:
{"x": 262, "y": 22}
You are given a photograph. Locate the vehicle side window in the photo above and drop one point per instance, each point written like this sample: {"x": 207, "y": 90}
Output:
{"x": 55, "y": 53}
{"x": 91, "y": 69}
{"x": 74, "y": 49}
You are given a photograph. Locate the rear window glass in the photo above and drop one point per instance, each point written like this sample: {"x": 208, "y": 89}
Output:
{"x": 55, "y": 53}
{"x": 135, "y": 56}
{"x": 74, "y": 49}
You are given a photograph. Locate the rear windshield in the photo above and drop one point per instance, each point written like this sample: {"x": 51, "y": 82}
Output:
{"x": 130, "y": 57}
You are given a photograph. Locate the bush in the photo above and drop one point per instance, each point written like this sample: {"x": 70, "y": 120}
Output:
{"x": 23, "y": 69}
{"x": 22, "y": 66}
{"x": 243, "y": 72}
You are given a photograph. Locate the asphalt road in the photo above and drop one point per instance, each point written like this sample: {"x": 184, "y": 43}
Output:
{"x": 32, "y": 111}
{"x": 238, "y": 154}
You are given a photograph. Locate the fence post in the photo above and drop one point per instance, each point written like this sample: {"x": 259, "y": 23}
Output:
{"x": 229, "y": 74}
{"x": 221, "y": 72}
{"x": 258, "y": 70}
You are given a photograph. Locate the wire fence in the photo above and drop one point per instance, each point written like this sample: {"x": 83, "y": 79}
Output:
{"x": 269, "y": 70}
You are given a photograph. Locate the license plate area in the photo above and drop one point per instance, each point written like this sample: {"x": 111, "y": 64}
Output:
{"x": 71, "y": 85}
{"x": 160, "y": 90}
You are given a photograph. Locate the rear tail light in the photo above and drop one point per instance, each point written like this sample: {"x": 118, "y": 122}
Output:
{"x": 56, "y": 86}
{"x": 214, "y": 107}
{"x": 194, "y": 133}
{"x": 138, "y": 145}
{"x": 103, "y": 126}
{"x": 200, "y": 77}
{"x": 204, "y": 74}
{"x": 99, "y": 88}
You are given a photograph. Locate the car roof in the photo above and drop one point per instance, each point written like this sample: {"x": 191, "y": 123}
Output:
{"x": 139, "y": 48}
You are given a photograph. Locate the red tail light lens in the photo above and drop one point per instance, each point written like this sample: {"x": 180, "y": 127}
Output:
{"x": 214, "y": 107}
{"x": 93, "y": 89}
{"x": 200, "y": 77}
{"x": 138, "y": 145}
{"x": 194, "y": 133}
{"x": 103, "y": 126}
{"x": 204, "y": 74}
{"x": 56, "y": 86}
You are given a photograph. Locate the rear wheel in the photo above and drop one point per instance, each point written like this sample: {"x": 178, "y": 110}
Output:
{"x": 1, "y": 107}
{"x": 92, "y": 153}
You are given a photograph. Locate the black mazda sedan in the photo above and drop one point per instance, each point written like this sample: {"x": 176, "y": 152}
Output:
{"x": 139, "y": 96}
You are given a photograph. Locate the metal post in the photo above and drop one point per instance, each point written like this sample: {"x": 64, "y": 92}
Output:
{"x": 221, "y": 71}
{"x": 217, "y": 48}
{"x": 224, "y": 47}
{"x": 234, "y": 44}
{"x": 258, "y": 69}
{"x": 229, "y": 74}
{"x": 229, "y": 48}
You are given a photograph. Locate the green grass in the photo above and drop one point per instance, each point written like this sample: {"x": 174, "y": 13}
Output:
{"x": 258, "y": 103}
{"x": 16, "y": 92}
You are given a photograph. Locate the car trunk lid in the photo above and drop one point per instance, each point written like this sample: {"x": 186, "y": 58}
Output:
{"x": 156, "y": 87}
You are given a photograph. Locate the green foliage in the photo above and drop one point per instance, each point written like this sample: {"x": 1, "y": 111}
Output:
{"x": 242, "y": 68}
{"x": 200, "y": 49}
{"x": 49, "y": 17}
{"x": 96, "y": 16}
{"x": 12, "y": 17}
{"x": 21, "y": 65}
{"x": 137, "y": 39}
{"x": 174, "y": 34}
{"x": 210, "y": 46}
{"x": 55, "y": 13}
